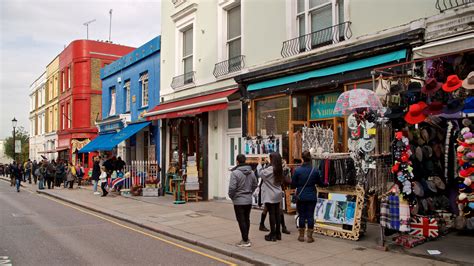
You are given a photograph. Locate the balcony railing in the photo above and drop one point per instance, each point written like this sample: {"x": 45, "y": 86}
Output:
{"x": 443, "y": 5}
{"x": 313, "y": 40}
{"x": 181, "y": 80}
{"x": 232, "y": 65}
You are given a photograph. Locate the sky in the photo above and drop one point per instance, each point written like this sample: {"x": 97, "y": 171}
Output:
{"x": 33, "y": 32}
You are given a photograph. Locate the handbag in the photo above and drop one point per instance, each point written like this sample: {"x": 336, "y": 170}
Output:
{"x": 295, "y": 197}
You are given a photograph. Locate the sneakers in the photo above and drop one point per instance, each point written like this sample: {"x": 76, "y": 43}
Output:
{"x": 97, "y": 193}
{"x": 244, "y": 244}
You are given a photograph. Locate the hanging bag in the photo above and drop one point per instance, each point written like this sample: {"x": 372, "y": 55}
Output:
{"x": 296, "y": 197}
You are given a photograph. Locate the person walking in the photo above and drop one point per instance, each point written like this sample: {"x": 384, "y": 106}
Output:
{"x": 34, "y": 167}
{"x": 272, "y": 179}
{"x": 305, "y": 180}
{"x": 17, "y": 175}
{"x": 103, "y": 181}
{"x": 27, "y": 166}
{"x": 80, "y": 173}
{"x": 241, "y": 187}
{"x": 41, "y": 175}
{"x": 96, "y": 174}
{"x": 70, "y": 176}
{"x": 50, "y": 175}
{"x": 12, "y": 175}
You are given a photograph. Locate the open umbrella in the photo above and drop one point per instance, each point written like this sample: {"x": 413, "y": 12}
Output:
{"x": 357, "y": 98}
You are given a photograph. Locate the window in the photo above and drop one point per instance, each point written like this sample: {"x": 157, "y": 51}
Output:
{"x": 299, "y": 108}
{"x": 187, "y": 52}
{"x": 112, "y": 101}
{"x": 63, "y": 75}
{"x": 69, "y": 115}
{"x": 234, "y": 32}
{"x": 127, "y": 95}
{"x": 144, "y": 83}
{"x": 69, "y": 77}
{"x": 51, "y": 121}
{"x": 234, "y": 118}
{"x": 317, "y": 17}
{"x": 50, "y": 91}
{"x": 63, "y": 118}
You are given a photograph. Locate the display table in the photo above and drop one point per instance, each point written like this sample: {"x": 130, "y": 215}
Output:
{"x": 178, "y": 190}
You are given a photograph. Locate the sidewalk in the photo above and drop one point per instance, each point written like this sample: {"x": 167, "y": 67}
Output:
{"x": 212, "y": 225}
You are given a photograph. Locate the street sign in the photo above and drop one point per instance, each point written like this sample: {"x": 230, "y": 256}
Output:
{"x": 17, "y": 146}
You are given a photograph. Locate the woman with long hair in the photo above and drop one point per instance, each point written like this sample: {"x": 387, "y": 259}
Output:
{"x": 272, "y": 179}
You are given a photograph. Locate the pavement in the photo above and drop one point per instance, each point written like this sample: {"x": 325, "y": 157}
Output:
{"x": 38, "y": 230}
{"x": 212, "y": 225}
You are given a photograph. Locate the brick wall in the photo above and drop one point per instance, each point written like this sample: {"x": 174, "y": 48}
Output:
{"x": 96, "y": 107}
{"x": 95, "y": 74}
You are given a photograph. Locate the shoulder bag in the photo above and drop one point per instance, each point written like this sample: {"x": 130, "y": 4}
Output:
{"x": 296, "y": 197}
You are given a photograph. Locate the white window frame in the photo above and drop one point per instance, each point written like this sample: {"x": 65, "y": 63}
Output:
{"x": 182, "y": 25}
{"x": 127, "y": 96}
{"x": 144, "y": 80}
{"x": 222, "y": 8}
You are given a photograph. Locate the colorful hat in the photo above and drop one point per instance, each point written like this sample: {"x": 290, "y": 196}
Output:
{"x": 435, "y": 108}
{"x": 468, "y": 82}
{"x": 452, "y": 83}
{"x": 453, "y": 106}
{"x": 469, "y": 105}
{"x": 415, "y": 113}
{"x": 431, "y": 86}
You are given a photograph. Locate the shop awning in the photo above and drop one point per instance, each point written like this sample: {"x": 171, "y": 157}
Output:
{"x": 327, "y": 71}
{"x": 100, "y": 143}
{"x": 127, "y": 132}
{"x": 58, "y": 149}
{"x": 200, "y": 104}
{"x": 447, "y": 46}
{"x": 47, "y": 151}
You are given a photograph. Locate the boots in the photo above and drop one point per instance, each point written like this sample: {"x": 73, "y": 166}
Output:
{"x": 309, "y": 235}
{"x": 262, "y": 223}
{"x": 284, "y": 230}
{"x": 301, "y": 235}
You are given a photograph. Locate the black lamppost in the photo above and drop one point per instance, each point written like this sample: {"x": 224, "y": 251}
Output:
{"x": 14, "y": 133}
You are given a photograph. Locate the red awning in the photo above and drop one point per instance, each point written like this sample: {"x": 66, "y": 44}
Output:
{"x": 206, "y": 103}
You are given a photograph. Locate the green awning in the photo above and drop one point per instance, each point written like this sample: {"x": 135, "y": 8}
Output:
{"x": 327, "y": 71}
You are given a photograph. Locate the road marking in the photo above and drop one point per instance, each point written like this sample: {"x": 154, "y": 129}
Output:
{"x": 4, "y": 260}
{"x": 141, "y": 232}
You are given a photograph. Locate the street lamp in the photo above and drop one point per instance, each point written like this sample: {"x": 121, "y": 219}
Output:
{"x": 14, "y": 126}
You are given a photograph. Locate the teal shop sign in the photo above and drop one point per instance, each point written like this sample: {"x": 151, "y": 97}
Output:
{"x": 322, "y": 106}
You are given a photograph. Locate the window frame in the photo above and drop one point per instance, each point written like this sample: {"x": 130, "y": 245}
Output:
{"x": 239, "y": 37}
{"x": 127, "y": 95}
{"x": 113, "y": 101}
{"x": 189, "y": 56}
{"x": 144, "y": 80}
{"x": 307, "y": 11}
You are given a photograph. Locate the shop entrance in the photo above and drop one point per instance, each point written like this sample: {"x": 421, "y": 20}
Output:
{"x": 233, "y": 147}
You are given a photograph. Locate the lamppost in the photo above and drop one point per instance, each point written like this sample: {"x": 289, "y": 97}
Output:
{"x": 14, "y": 133}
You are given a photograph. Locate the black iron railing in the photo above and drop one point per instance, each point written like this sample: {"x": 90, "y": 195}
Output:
{"x": 313, "y": 40}
{"x": 229, "y": 66}
{"x": 443, "y": 5}
{"x": 182, "y": 80}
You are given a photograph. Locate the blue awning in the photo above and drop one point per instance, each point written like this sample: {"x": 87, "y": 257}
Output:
{"x": 327, "y": 71}
{"x": 127, "y": 132}
{"x": 100, "y": 143}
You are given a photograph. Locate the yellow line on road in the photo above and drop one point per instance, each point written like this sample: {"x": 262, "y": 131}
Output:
{"x": 141, "y": 232}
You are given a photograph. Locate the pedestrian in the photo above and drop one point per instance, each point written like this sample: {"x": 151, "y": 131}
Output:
{"x": 34, "y": 167}
{"x": 119, "y": 164}
{"x": 96, "y": 174}
{"x": 70, "y": 176}
{"x": 241, "y": 187}
{"x": 42, "y": 175}
{"x": 58, "y": 177}
{"x": 272, "y": 179}
{"x": 80, "y": 173}
{"x": 103, "y": 181}
{"x": 12, "y": 174}
{"x": 27, "y": 166}
{"x": 50, "y": 175}
{"x": 17, "y": 175}
{"x": 305, "y": 179}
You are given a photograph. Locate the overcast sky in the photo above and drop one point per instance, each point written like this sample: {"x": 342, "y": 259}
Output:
{"x": 33, "y": 32}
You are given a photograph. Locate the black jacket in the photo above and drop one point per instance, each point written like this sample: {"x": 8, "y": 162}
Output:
{"x": 96, "y": 171}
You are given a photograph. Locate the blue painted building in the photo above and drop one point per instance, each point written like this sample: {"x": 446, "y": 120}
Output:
{"x": 130, "y": 88}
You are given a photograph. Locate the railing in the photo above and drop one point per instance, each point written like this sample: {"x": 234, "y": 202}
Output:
{"x": 182, "y": 80}
{"x": 443, "y": 5}
{"x": 229, "y": 66}
{"x": 141, "y": 173}
{"x": 313, "y": 40}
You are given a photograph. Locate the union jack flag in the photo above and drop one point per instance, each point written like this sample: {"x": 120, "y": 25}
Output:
{"x": 424, "y": 226}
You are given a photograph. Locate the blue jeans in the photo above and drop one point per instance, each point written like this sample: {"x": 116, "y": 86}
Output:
{"x": 94, "y": 183}
{"x": 306, "y": 213}
{"x": 17, "y": 182}
{"x": 41, "y": 184}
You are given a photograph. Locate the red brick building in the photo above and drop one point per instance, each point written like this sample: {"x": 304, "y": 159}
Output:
{"x": 80, "y": 93}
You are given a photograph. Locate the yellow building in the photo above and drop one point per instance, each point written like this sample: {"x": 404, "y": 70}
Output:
{"x": 52, "y": 108}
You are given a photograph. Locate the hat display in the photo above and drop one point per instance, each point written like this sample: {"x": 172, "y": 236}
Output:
{"x": 468, "y": 82}
{"x": 438, "y": 182}
{"x": 431, "y": 86}
{"x": 415, "y": 113}
{"x": 419, "y": 153}
{"x": 469, "y": 105}
{"x": 452, "y": 83}
{"x": 435, "y": 108}
{"x": 418, "y": 189}
{"x": 453, "y": 106}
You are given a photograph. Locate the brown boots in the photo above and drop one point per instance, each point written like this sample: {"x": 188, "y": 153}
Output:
{"x": 309, "y": 235}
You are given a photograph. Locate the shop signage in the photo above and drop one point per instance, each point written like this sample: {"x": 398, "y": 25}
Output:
{"x": 111, "y": 126}
{"x": 17, "y": 146}
{"x": 322, "y": 106}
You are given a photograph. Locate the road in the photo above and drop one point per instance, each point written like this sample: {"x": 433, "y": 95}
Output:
{"x": 37, "y": 230}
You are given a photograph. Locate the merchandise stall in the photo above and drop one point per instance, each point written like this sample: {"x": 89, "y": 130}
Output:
{"x": 430, "y": 105}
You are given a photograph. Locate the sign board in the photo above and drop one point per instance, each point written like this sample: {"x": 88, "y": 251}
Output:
{"x": 111, "y": 126}
{"x": 322, "y": 106}
{"x": 17, "y": 146}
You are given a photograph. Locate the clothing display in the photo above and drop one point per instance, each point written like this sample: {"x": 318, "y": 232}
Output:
{"x": 261, "y": 145}
{"x": 297, "y": 145}
{"x": 336, "y": 169}
{"x": 317, "y": 140}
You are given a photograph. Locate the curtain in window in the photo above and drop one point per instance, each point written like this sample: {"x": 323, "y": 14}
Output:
{"x": 112, "y": 102}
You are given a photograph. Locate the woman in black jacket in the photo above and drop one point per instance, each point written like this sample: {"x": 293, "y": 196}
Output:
{"x": 96, "y": 174}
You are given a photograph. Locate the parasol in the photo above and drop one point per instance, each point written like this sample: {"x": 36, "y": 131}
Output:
{"x": 357, "y": 98}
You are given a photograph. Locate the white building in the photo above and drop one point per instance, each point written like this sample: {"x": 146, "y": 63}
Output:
{"x": 37, "y": 117}
{"x": 4, "y": 159}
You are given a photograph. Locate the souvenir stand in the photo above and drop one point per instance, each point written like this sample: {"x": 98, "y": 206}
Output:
{"x": 431, "y": 105}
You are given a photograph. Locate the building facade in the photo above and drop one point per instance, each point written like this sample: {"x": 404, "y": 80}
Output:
{"x": 80, "y": 93}
{"x": 37, "y": 117}
{"x": 51, "y": 109}
{"x": 131, "y": 87}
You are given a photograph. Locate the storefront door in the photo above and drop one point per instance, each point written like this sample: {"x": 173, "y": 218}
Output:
{"x": 232, "y": 149}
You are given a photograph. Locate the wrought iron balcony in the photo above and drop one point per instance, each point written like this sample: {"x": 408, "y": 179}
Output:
{"x": 181, "y": 80}
{"x": 313, "y": 40}
{"x": 443, "y": 5}
{"x": 229, "y": 66}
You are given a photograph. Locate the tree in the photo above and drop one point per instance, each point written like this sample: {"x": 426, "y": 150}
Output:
{"x": 22, "y": 135}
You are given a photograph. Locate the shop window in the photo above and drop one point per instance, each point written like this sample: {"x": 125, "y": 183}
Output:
{"x": 112, "y": 101}
{"x": 234, "y": 118}
{"x": 127, "y": 95}
{"x": 299, "y": 108}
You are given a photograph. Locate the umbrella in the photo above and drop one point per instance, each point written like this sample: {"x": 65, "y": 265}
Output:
{"x": 357, "y": 98}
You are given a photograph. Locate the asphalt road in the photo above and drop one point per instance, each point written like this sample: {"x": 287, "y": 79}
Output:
{"x": 36, "y": 230}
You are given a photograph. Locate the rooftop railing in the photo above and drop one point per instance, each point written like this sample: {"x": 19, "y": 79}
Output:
{"x": 443, "y": 5}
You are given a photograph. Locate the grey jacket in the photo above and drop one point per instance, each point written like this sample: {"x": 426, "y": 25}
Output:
{"x": 271, "y": 193}
{"x": 242, "y": 185}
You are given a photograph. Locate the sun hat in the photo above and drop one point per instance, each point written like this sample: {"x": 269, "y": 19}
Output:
{"x": 453, "y": 106}
{"x": 434, "y": 108}
{"x": 431, "y": 186}
{"x": 469, "y": 105}
{"x": 468, "y": 82}
{"x": 431, "y": 86}
{"x": 452, "y": 83}
{"x": 415, "y": 113}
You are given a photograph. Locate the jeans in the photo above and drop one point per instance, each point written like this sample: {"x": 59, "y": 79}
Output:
{"x": 242, "y": 213}
{"x": 94, "y": 183}
{"x": 41, "y": 184}
{"x": 17, "y": 182}
{"x": 306, "y": 213}
{"x": 274, "y": 213}
{"x": 50, "y": 182}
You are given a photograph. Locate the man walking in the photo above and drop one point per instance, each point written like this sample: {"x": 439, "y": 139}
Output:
{"x": 18, "y": 175}
{"x": 241, "y": 187}
{"x": 96, "y": 174}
